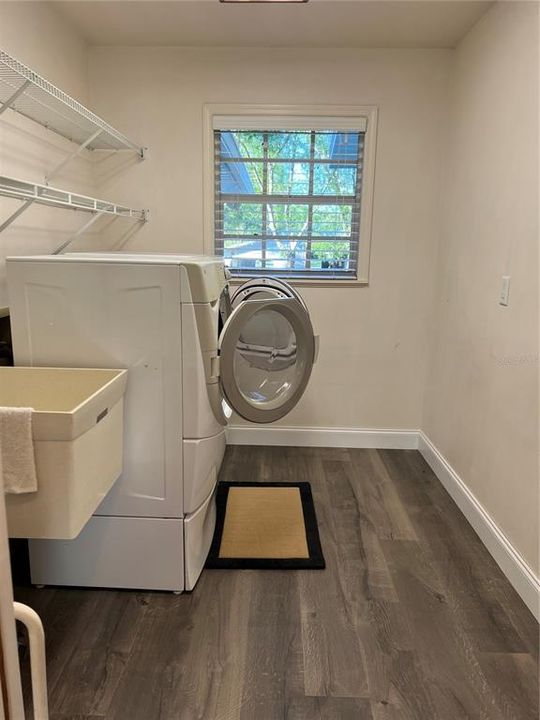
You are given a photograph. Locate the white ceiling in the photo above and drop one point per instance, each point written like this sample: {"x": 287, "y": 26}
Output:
{"x": 319, "y": 23}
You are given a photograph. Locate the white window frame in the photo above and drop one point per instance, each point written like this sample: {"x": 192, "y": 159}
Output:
{"x": 314, "y": 117}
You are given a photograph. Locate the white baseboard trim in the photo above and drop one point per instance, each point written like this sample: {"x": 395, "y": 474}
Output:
{"x": 519, "y": 574}
{"x": 322, "y": 437}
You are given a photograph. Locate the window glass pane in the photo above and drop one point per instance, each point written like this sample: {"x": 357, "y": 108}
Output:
{"x": 242, "y": 218}
{"x": 336, "y": 146}
{"x": 334, "y": 180}
{"x": 331, "y": 255}
{"x": 287, "y": 219}
{"x": 241, "y": 178}
{"x": 332, "y": 220}
{"x": 243, "y": 253}
{"x": 290, "y": 234}
{"x": 289, "y": 145}
{"x": 286, "y": 254}
{"x": 241, "y": 144}
{"x": 288, "y": 178}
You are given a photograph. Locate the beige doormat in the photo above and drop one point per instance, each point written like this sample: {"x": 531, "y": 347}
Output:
{"x": 265, "y": 526}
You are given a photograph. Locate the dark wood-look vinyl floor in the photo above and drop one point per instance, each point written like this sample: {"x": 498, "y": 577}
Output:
{"x": 411, "y": 620}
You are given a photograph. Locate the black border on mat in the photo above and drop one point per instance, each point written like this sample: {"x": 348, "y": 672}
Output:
{"x": 315, "y": 561}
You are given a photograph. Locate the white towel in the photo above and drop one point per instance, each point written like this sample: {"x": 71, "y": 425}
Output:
{"x": 17, "y": 450}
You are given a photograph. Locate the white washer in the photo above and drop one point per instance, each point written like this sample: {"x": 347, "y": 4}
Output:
{"x": 193, "y": 352}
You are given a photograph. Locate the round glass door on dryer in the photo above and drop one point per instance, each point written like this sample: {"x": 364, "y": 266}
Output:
{"x": 267, "y": 349}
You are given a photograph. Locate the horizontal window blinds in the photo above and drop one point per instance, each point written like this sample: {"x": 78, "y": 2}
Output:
{"x": 289, "y": 122}
{"x": 287, "y": 202}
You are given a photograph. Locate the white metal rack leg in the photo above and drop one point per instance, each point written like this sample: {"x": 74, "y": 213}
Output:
{"x": 38, "y": 668}
{"x": 8, "y": 637}
{"x": 9, "y": 612}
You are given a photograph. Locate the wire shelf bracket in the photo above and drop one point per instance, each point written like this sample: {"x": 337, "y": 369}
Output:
{"x": 80, "y": 231}
{"x": 15, "y": 215}
{"x": 31, "y": 193}
{"x": 71, "y": 157}
{"x": 29, "y": 94}
{"x": 9, "y": 102}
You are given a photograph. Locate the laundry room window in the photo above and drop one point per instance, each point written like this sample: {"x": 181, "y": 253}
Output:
{"x": 289, "y": 196}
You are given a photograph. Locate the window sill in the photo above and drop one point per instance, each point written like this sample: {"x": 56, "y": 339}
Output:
{"x": 306, "y": 282}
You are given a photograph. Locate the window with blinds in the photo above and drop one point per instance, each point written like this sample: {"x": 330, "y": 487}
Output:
{"x": 287, "y": 202}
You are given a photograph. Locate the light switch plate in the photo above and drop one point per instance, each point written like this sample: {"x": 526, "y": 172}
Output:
{"x": 505, "y": 290}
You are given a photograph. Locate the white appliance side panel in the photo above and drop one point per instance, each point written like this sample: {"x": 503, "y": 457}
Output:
{"x": 198, "y": 533}
{"x": 199, "y": 420}
{"x": 202, "y": 462}
{"x": 114, "y": 552}
{"x": 86, "y": 314}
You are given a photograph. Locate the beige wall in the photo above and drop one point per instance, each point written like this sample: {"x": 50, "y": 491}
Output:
{"x": 36, "y": 35}
{"x": 481, "y": 405}
{"x": 373, "y": 339}
{"x": 40, "y": 37}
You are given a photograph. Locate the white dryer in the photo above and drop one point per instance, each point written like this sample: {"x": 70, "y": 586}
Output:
{"x": 194, "y": 353}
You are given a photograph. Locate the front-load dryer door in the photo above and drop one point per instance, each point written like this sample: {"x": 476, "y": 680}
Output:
{"x": 267, "y": 350}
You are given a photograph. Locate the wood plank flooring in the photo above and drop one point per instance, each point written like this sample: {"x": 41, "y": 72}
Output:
{"x": 411, "y": 620}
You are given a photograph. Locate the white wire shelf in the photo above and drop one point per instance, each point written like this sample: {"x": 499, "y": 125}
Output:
{"x": 46, "y": 195}
{"x": 26, "y": 92}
